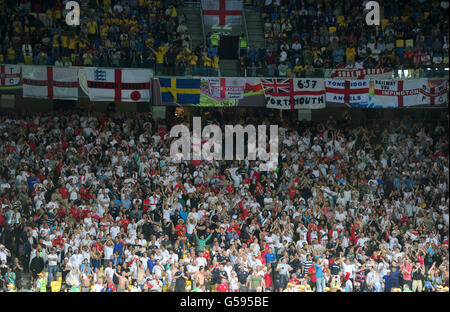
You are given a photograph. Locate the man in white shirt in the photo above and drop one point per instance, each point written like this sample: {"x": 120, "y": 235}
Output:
{"x": 52, "y": 266}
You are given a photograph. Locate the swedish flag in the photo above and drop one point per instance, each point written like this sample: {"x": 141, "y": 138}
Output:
{"x": 180, "y": 90}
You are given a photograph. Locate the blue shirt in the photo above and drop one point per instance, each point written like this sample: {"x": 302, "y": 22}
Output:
{"x": 31, "y": 182}
{"x": 387, "y": 282}
{"x": 183, "y": 215}
{"x": 118, "y": 247}
{"x": 319, "y": 270}
{"x": 270, "y": 257}
{"x": 150, "y": 264}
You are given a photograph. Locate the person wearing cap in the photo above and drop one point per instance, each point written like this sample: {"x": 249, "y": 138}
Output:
{"x": 41, "y": 283}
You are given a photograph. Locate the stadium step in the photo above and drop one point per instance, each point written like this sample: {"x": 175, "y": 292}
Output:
{"x": 255, "y": 31}
{"x": 194, "y": 24}
{"x": 228, "y": 68}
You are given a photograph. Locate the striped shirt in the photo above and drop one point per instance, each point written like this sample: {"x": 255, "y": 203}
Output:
{"x": 307, "y": 264}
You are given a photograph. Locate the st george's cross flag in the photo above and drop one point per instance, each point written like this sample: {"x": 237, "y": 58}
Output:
{"x": 50, "y": 82}
{"x": 125, "y": 85}
{"x": 433, "y": 92}
{"x": 350, "y": 92}
{"x": 222, "y": 12}
{"x": 10, "y": 75}
{"x": 397, "y": 93}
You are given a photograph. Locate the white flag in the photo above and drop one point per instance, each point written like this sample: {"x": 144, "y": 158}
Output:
{"x": 9, "y": 75}
{"x": 433, "y": 92}
{"x": 226, "y": 88}
{"x": 396, "y": 93}
{"x": 126, "y": 85}
{"x": 222, "y": 12}
{"x": 352, "y": 92}
{"x": 50, "y": 82}
{"x": 294, "y": 93}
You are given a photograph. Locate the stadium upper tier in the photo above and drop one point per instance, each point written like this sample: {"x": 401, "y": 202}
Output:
{"x": 300, "y": 37}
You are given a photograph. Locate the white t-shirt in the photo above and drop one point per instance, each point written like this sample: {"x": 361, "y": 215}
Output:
{"x": 52, "y": 259}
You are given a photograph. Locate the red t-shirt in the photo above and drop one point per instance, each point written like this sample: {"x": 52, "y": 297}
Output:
{"x": 268, "y": 279}
{"x": 222, "y": 288}
{"x": 312, "y": 274}
{"x": 64, "y": 192}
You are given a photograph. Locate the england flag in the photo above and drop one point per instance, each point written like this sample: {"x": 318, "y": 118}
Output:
{"x": 125, "y": 85}
{"x": 50, "y": 82}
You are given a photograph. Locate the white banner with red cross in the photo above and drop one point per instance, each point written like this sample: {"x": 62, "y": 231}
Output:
{"x": 397, "y": 93}
{"x": 50, "y": 82}
{"x": 125, "y": 85}
{"x": 433, "y": 92}
{"x": 222, "y": 12}
{"x": 222, "y": 88}
{"x": 10, "y": 75}
{"x": 349, "y": 92}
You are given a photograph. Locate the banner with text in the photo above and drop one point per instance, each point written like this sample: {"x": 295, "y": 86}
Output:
{"x": 294, "y": 93}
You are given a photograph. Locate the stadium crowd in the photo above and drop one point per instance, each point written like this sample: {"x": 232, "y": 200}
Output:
{"x": 93, "y": 202}
{"x": 135, "y": 33}
{"x": 304, "y": 37}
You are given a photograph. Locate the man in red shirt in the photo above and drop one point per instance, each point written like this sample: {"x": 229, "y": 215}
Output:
{"x": 222, "y": 287}
{"x": 64, "y": 191}
{"x": 312, "y": 275}
{"x": 268, "y": 282}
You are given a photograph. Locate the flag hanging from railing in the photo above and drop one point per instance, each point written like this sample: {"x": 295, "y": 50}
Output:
{"x": 434, "y": 92}
{"x": 294, "y": 93}
{"x": 397, "y": 93}
{"x": 50, "y": 82}
{"x": 222, "y": 12}
{"x": 126, "y": 85}
{"x": 9, "y": 75}
{"x": 348, "y": 92}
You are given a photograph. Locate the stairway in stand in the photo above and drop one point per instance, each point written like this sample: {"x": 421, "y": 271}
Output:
{"x": 254, "y": 27}
{"x": 194, "y": 24}
{"x": 228, "y": 68}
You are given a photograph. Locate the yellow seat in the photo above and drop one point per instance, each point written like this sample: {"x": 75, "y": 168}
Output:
{"x": 332, "y": 29}
{"x": 165, "y": 288}
{"x": 399, "y": 43}
{"x": 28, "y": 59}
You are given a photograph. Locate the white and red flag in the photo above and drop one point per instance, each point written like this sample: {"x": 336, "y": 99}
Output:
{"x": 294, "y": 93}
{"x": 363, "y": 73}
{"x": 222, "y": 12}
{"x": 351, "y": 92}
{"x": 433, "y": 92}
{"x": 397, "y": 93}
{"x": 222, "y": 88}
{"x": 50, "y": 82}
{"x": 10, "y": 75}
{"x": 125, "y": 85}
